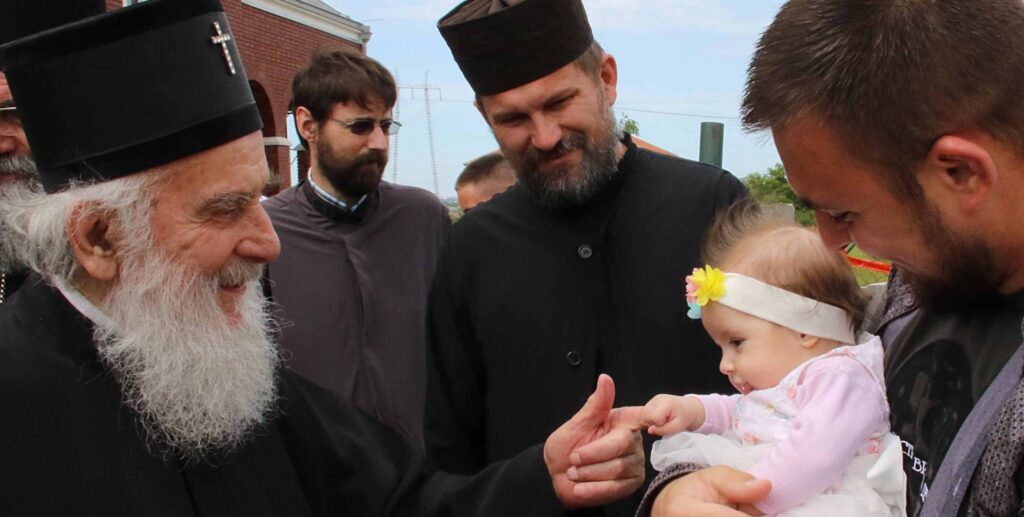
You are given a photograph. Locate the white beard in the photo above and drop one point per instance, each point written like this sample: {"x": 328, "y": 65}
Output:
{"x": 200, "y": 383}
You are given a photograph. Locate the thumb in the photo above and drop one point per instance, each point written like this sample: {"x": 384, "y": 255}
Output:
{"x": 595, "y": 411}
{"x": 746, "y": 493}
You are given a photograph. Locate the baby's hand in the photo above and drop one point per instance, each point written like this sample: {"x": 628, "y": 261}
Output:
{"x": 668, "y": 414}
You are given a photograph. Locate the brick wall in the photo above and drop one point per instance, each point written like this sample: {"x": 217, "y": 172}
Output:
{"x": 272, "y": 49}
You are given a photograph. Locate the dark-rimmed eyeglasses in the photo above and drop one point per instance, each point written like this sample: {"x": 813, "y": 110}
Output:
{"x": 364, "y": 126}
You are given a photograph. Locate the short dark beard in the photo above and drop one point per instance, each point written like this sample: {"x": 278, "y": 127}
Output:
{"x": 969, "y": 277}
{"x": 352, "y": 177}
{"x": 563, "y": 187}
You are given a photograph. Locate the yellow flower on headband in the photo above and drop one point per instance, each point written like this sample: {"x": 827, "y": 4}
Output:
{"x": 705, "y": 285}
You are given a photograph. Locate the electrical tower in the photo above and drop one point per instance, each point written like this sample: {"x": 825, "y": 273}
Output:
{"x": 426, "y": 88}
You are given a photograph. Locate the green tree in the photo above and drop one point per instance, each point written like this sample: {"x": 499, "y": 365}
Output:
{"x": 771, "y": 187}
{"x": 629, "y": 125}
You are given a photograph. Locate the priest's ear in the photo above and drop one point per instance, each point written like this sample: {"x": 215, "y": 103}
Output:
{"x": 305, "y": 124}
{"x": 90, "y": 234}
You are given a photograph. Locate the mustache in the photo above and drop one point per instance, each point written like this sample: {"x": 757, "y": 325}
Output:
{"x": 18, "y": 165}
{"x": 239, "y": 273}
{"x": 568, "y": 143}
{"x": 372, "y": 156}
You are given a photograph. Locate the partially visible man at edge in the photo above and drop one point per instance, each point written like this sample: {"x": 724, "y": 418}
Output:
{"x": 578, "y": 268}
{"x": 357, "y": 253}
{"x": 139, "y": 379}
{"x": 17, "y": 170}
{"x": 901, "y": 124}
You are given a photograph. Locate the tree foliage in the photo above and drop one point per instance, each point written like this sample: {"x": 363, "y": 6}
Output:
{"x": 771, "y": 187}
{"x": 629, "y": 125}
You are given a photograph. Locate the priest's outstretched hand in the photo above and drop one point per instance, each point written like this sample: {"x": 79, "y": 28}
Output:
{"x": 597, "y": 456}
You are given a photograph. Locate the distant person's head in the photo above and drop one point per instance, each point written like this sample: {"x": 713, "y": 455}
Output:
{"x": 546, "y": 94}
{"x": 342, "y": 102}
{"x": 482, "y": 178}
{"x": 901, "y": 124}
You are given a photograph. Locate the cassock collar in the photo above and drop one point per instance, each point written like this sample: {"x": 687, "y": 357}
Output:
{"x": 82, "y": 304}
{"x": 334, "y": 211}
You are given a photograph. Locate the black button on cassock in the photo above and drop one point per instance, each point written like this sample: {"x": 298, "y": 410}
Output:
{"x": 585, "y": 251}
{"x": 574, "y": 358}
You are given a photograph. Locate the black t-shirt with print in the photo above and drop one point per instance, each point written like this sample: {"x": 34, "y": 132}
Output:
{"x": 936, "y": 369}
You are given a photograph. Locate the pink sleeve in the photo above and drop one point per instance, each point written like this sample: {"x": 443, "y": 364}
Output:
{"x": 717, "y": 413}
{"x": 839, "y": 406}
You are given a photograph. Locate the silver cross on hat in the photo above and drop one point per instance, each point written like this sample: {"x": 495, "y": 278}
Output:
{"x": 222, "y": 39}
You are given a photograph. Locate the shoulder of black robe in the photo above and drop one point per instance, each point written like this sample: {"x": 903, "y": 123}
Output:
{"x": 13, "y": 280}
{"x": 660, "y": 197}
{"x": 69, "y": 447}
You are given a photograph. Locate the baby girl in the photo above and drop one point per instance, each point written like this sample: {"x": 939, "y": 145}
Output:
{"x": 811, "y": 415}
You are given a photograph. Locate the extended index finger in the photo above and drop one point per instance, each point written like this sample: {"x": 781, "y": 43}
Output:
{"x": 632, "y": 418}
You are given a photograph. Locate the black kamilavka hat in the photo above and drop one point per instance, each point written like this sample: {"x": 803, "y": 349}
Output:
{"x": 130, "y": 90}
{"x": 23, "y": 17}
{"x": 504, "y": 44}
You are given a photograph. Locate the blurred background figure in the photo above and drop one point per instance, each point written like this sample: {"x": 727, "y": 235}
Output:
{"x": 482, "y": 178}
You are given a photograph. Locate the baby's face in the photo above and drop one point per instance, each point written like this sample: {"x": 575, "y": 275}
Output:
{"x": 756, "y": 354}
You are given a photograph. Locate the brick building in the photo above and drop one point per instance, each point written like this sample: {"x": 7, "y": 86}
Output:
{"x": 275, "y": 39}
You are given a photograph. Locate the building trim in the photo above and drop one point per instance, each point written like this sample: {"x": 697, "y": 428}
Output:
{"x": 319, "y": 19}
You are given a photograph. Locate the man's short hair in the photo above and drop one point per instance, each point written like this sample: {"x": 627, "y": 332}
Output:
{"x": 343, "y": 76}
{"x": 892, "y": 76}
{"x": 491, "y": 165}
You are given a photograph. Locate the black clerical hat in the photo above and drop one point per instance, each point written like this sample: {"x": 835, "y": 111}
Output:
{"x": 19, "y": 18}
{"x": 503, "y": 44}
{"x": 129, "y": 90}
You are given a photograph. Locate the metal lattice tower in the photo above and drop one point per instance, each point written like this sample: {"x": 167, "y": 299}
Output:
{"x": 426, "y": 89}
{"x": 430, "y": 133}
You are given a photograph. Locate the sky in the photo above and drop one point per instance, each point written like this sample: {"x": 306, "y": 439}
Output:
{"x": 681, "y": 62}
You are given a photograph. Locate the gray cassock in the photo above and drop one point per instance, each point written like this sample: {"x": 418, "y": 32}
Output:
{"x": 351, "y": 289}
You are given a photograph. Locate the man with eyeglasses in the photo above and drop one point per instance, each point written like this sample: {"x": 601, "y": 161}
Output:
{"x": 357, "y": 253}
{"x": 18, "y": 173}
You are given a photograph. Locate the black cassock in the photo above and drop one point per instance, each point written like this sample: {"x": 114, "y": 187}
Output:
{"x": 69, "y": 447}
{"x": 529, "y": 305}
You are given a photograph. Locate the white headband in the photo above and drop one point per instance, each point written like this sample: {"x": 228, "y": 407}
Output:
{"x": 770, "y": 303}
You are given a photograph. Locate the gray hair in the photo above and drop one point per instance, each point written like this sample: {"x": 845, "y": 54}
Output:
{"x": 37, "y": 223}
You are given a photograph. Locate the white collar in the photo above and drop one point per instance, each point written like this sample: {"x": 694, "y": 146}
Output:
{"x": 82, "y": 304}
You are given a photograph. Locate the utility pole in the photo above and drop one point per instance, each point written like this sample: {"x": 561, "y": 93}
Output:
{"x": 711, "y": 136}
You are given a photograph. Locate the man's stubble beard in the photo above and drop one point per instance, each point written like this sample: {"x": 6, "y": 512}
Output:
{"x": 570, "y": 187}
{"x": 352, "y": 176}
{"x": 968, "y": 271}
{"x": 200, "y": 384}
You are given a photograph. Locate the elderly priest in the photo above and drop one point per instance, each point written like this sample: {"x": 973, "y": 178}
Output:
{"x": 140, "y": 379}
